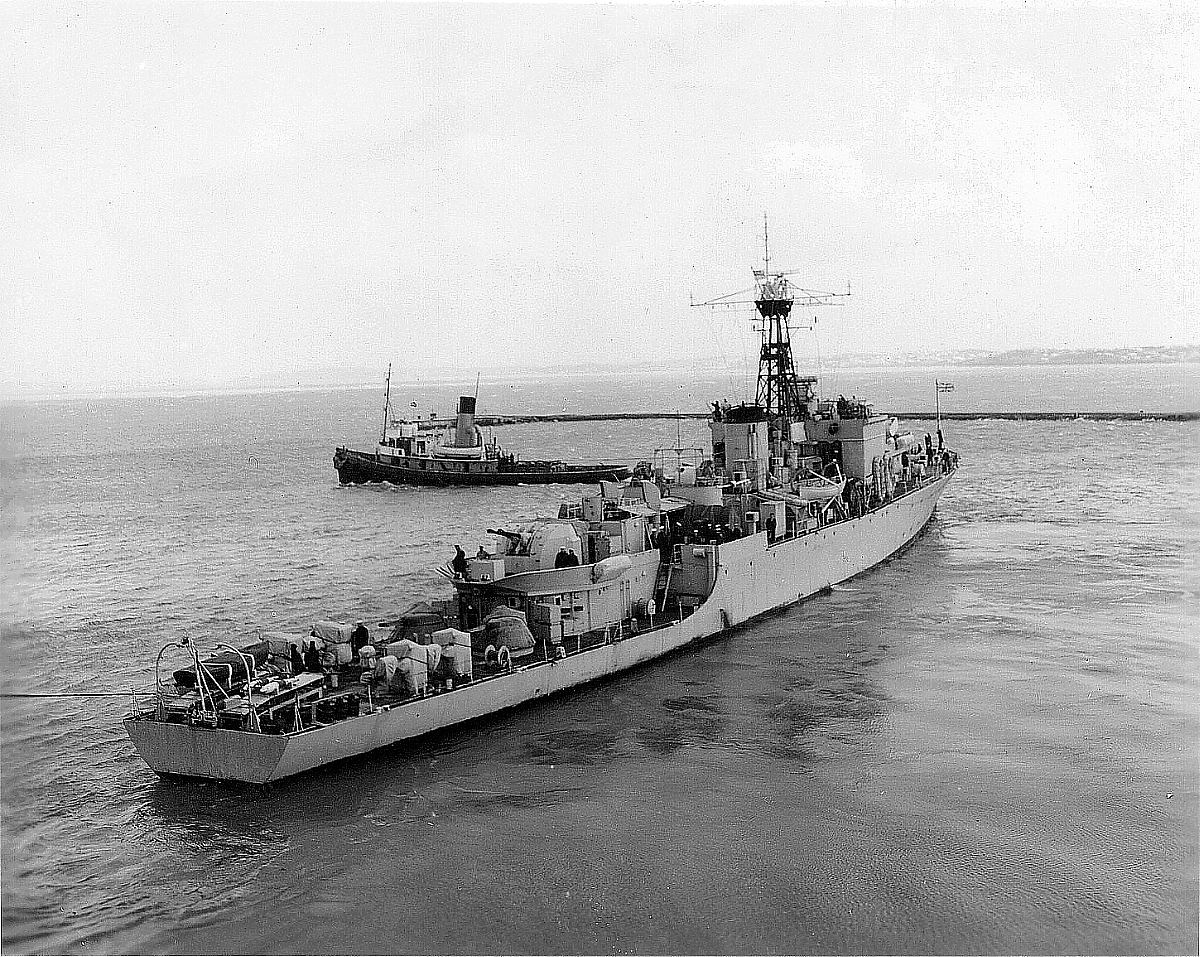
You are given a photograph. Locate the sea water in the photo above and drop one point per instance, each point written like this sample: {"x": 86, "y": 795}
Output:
{"x": 986, "y": 744}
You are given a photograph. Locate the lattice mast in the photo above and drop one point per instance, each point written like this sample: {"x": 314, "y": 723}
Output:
{"x": 781, "y": 393}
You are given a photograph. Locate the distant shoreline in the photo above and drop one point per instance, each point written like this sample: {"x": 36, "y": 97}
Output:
{"x": 495, "y": 420}
{"x": 354, "y": 377}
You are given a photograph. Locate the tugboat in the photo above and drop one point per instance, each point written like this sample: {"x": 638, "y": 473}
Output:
{"x": 411, "y": 452}
{"x": 797, "y": 494}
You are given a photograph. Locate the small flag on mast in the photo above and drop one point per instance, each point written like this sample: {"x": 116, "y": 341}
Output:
{"x": 945, "y": 387}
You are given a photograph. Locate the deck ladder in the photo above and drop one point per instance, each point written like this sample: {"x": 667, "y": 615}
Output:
{"x": 662, "y": 585}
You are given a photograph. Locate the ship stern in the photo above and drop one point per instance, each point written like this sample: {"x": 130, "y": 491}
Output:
{"x": 214, "y": 753}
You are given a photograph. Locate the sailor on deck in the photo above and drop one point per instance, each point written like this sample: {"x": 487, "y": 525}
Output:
{"x": 665, "y": 542}
{"x": 312, "y": 658}
{"x": 358, "y": 637}
{"x": 566, "y": 558}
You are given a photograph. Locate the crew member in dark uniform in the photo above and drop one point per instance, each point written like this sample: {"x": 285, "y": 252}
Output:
{"x": 358, "y": 637}
{"x": 312, "y": 658}
{"x": 459, "y": 562}
{"x": 297, "y": 661}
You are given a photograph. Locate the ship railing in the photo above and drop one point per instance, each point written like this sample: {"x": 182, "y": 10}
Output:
{"x": 143, "y": 702}
{"x": 208, "y": 686}
{"x": 160, "y": 702}
{"x": 583, "y": 643}
{"x": 248, "y": 659}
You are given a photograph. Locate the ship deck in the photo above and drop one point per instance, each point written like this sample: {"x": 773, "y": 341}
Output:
{"x": 306, "y": 733}
{"x": 277, "y": 713}
{"x": 353, "y": 680}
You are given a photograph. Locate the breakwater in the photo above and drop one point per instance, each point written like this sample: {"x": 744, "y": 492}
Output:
{"x": 493, "y": 420}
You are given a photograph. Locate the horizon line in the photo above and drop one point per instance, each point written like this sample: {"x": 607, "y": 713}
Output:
{"x": 357, "y": 378}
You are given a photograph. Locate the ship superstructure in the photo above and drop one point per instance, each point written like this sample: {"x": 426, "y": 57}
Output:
{"x": 823, "y": 459}
{"x": 797, "y": 493}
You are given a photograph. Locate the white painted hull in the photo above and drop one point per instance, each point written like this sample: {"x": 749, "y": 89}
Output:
{"x": 752, "y": 579}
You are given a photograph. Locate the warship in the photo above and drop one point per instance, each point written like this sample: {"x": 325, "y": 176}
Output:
{"x": 797, "y": 493}
{"x": 412, "y": 452}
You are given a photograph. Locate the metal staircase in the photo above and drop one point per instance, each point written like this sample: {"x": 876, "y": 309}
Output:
{"x": 662, "y": 586}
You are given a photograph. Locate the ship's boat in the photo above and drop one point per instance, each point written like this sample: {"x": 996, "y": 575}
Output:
{"x": 796, "y": 494}
{"x": 812, "y": 487}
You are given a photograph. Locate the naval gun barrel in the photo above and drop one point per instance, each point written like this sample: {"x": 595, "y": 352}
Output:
{"x": 511, "y": 536}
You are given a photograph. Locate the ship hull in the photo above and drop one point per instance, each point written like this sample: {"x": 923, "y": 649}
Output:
{"x": 753, "y": 578}
{"x": 360, "y": 468}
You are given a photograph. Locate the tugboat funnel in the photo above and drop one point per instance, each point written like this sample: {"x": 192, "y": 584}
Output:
{"x": 464, "y": 436}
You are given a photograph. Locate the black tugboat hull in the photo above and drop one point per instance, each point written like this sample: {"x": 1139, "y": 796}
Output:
{"x": 360, "y": 468}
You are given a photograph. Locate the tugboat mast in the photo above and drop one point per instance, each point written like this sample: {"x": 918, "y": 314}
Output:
{"x": 387, "y": 403}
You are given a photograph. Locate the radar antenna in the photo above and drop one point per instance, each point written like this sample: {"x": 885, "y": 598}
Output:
{"x": 781, "y": 393}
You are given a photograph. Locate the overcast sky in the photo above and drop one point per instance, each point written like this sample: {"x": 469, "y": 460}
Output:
{"x": 210, "y": 192}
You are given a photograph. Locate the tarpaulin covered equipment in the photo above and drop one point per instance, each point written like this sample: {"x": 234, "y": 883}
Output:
{"x": 456, "y": 652}
{"x": 281, "y": 642}
{"x": 406, "y": 648}
{"x": 610, "y": 568}
{"x": 414, "y": 675}
{"x": 337, "y": 653}
{"x": 386, "y": 667}
{"x": 332, "y": 631}
{"x": 225, "y": 668}
{"x": 506, "y": 627}
{"x": 433, "y": 656}
{"x": 418, "y": 619}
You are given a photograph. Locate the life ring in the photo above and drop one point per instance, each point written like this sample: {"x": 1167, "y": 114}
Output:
{"x": 489, "y": 654}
